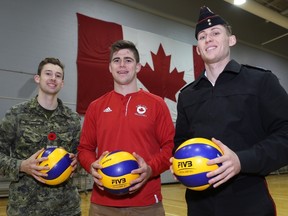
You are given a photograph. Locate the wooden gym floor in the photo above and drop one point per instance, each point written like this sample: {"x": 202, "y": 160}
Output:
{"x": 174, "y": 202}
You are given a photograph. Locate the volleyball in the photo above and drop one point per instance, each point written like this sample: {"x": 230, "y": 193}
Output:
{"x": 190, "y": 162}
{"x": 116, "y": 172}
{"x": 59, "y": 163}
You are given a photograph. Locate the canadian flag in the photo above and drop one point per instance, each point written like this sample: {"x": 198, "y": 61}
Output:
{"x": 167, "y": 64}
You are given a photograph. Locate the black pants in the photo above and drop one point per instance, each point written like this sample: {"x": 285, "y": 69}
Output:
{"x": 249, "y": 197}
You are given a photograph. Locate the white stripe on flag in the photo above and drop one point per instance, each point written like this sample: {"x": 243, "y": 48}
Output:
{"x": 181, "y": 55}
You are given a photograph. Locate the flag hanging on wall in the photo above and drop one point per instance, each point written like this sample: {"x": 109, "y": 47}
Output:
{"x": 167, "y": 64}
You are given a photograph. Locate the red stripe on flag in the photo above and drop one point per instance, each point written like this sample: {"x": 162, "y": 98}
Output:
{"x": 94, "y": 39}
{"x": 198, "y": 63}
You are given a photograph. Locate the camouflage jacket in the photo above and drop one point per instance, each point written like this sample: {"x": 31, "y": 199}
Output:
{"x": 23, "y": 131}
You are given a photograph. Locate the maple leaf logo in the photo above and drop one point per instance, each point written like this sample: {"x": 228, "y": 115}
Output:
{"x": 161, "y": 82}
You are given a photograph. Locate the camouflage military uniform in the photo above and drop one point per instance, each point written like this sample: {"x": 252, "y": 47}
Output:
{"x": 23, "y": 131}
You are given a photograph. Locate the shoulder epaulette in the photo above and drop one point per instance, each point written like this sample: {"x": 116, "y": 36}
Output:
{"x": 186, "y": 86}
{"x": 255, "y": 67}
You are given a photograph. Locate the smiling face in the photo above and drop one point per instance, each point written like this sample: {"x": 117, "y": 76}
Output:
{"x": 214, "y": 44}
{"x": 124, "y": 67}
{"x": 50, "y": 79}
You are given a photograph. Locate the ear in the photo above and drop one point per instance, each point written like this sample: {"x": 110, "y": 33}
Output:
{"x": 37, "y": 78}
{"x": 197, "y": 50}
{"x": 110, "y": 68}
{"x": 232, "y": 40}
{"x": 138, "y": 67}
{"x": 62, "y": 84}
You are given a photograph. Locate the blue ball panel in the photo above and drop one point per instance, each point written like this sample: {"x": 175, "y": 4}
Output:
{"x": 48, "y": 151}
{"x": 113, "y": 152}
{"x": 194, "y": 150}
{"x": 195, "y": 180}
{"x": 59, "y": 168}
{"x": 118, "y": 192}
{"x": 121, "y": 168}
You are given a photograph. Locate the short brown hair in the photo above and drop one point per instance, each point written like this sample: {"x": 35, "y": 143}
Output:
{"x": 50, "y": 60}
{"x": 124, "y": 44}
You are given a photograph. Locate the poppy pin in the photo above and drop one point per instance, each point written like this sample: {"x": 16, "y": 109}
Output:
{"x": 52, "y": 136}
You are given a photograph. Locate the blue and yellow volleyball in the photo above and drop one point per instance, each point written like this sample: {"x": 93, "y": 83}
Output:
{"x": 59, "y": 163}
{"x": 190, "y": 162}
{"x": 116, "y": 172}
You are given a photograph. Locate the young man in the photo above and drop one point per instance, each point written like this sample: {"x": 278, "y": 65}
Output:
{"x": 241, "y": 108}
{"x": 25, "y": 130}
{"x": 132, "y": 120}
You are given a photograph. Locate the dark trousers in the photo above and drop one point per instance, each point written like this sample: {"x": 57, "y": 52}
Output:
{"x": 249, "y": 197}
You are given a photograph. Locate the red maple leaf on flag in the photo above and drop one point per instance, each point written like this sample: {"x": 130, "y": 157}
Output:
{"x": 161, "y": 81}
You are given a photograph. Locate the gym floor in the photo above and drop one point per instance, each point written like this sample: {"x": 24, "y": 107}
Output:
{"x": 174, "y": 201}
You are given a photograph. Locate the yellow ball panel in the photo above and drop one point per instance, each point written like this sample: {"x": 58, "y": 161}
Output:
{"x": 191, "y": 166}
{"x": 111, "y": 159}
{"x": 117, "y": 183}
{"x": 199, "y": 140}
{"x": 53, "y": 158}
{"x": 64, "y": 176}
{"x": 200, "y": 188}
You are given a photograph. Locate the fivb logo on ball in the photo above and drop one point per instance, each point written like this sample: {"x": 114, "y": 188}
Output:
{"x": 182, "y": 165}
{"x": 120, "y": 181}
{"x": 116, "y": 171}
